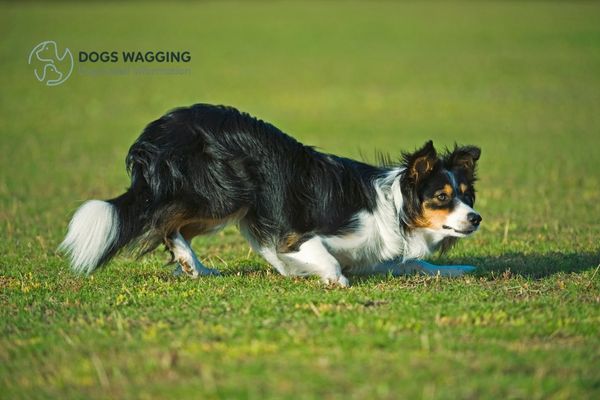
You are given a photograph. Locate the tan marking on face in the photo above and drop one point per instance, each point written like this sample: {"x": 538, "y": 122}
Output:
{"x": 463, "y": 187}
{"x": 432, "y": 218}
{"x": 448, "y": 190}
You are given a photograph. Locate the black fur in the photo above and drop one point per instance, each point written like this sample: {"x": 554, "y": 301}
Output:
{"x": 133, "y": 214}
{"x": 208, "y": 162}
{"x": 212, "y": 161}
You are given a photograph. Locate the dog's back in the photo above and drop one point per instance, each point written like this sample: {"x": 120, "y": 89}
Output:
{"x": 199, "y": 167}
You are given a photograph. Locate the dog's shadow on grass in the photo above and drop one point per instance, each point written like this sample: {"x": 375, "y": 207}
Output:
{"x": 534, "y": 266}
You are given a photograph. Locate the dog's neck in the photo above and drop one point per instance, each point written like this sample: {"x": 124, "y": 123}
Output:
{"x": 396, "y": 241}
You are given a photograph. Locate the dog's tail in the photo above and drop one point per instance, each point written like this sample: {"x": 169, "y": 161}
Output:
{"x": 99, "y": 229}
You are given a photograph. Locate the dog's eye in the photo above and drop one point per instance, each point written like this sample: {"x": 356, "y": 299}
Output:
{"x": 442, "y": 197}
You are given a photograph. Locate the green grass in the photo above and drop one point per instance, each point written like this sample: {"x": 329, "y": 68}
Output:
{"x": 518, "y": 79}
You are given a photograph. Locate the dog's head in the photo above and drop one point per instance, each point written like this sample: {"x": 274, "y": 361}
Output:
{"x": 438, "y": 192}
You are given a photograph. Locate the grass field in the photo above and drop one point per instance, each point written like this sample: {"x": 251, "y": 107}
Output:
{"x": 521, "y": 80}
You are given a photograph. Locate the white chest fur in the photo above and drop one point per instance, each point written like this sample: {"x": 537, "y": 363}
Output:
{"x": 379, "y": 236}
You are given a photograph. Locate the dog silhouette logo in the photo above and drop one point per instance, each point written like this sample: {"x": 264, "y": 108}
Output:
{"x": 50, "y": 66}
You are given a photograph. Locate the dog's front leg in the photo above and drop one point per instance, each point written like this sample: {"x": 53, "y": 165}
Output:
{"x": 314, "y": 259}
{"x": 409, "y": 267}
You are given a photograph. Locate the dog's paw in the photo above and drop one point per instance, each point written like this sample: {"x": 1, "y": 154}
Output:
{"x": 340, "y": 281}
{"x": 178, "y": 271}
{"x": 209, "y": 272}
{"x": 198, "y": 272}
{"x": 195, "y": 273}
{"x": 343, "y": 281}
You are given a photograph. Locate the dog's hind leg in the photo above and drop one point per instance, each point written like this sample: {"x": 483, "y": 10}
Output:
{"x": 186, "y": 258}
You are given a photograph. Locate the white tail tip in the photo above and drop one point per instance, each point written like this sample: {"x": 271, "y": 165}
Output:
{"x": 92, "y": 231}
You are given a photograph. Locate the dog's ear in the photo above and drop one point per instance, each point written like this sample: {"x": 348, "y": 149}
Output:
{"x": 421, "y": 163}
{"x": 463, "y": 157}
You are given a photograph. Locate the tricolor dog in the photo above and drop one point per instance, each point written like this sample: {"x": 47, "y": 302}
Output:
{"x": 199, "y": 168}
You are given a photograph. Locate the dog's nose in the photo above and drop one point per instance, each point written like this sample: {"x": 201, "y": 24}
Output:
{"x": 474, "y": 218}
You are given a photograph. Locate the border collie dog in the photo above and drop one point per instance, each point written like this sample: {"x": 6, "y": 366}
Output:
{"x": 198, "y": 168}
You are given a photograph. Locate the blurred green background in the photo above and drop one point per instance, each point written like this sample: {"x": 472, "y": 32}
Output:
{"x": 519, "y": 79}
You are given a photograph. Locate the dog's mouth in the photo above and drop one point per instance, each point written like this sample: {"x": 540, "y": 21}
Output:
{"x": 462, "y": 232}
